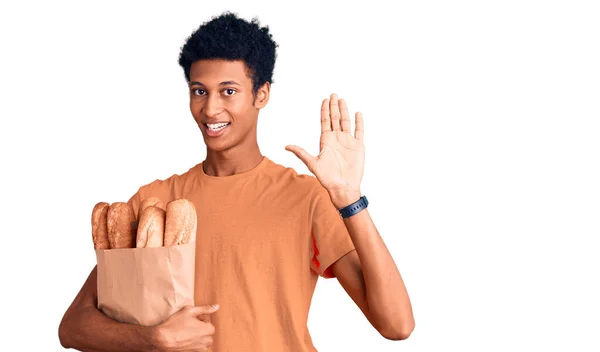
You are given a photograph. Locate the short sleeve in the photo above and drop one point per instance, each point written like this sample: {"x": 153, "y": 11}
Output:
{"x": 330, "y": 237}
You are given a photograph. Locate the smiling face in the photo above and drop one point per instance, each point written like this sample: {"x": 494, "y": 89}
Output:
{"x": 223, "y": 104}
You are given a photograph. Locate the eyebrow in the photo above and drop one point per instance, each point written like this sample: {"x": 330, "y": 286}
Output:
{"x": 226, "y": 83}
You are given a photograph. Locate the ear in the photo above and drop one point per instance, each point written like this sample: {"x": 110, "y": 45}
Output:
{"x": 262, "y": 96}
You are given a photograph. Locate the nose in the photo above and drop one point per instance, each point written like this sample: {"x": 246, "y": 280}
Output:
{"x": 212, "y": 106}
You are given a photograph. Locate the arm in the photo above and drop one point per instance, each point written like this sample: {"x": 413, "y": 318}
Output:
{"x": 371, "y": 278}
{"x": 85, "y": 328}
{"x": 368, "y": 274}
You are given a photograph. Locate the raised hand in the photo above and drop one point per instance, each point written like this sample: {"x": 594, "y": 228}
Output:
{"x": 340, "y": 163}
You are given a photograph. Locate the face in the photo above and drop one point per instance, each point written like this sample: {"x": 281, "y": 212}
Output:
{"x": 223, "y": 105}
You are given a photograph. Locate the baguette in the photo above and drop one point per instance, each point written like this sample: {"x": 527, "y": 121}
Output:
{"x": 99, "y": 226}
{"x": 181, "y": 223}
{"x": 120, "y": 220}
{"x": 150, "y": 201}
{"x": 151, "y": 227}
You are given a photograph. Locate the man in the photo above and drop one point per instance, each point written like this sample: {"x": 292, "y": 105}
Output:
{"x": 265, "y": 233}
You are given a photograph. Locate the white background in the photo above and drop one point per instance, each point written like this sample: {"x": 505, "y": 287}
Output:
{"x": 482, "y": 169}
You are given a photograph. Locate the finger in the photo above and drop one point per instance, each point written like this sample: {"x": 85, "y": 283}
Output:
{"x": 359, "y": 126}
{"x": 204, "y": 317}
{"x": 200, "y": 310}
{"x": 306, "y": 158}
{"x": 325, "y": 122}
{"x": 334, "y": 112}
{"x": 345, "y": 119}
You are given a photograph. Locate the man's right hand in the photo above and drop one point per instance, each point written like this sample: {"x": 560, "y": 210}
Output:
{"x": 185, "y": 331}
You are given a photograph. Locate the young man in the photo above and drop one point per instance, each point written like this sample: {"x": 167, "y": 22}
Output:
{"x": 265, "y": 233}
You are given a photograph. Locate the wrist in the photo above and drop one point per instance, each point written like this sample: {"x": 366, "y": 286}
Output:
{"x": 152, "y": 337}
{"x": 348, "y": 211}
{"x": 343, "y": 198}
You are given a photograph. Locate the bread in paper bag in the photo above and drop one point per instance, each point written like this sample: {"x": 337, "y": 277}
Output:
{"x": 147, "y": 285}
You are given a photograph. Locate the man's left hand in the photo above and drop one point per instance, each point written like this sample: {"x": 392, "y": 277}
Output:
{"x": 340, "y": 163}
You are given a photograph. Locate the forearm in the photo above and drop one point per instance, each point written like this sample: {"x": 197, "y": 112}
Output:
{"x": 89, "y": 330}
{"x": 85, "y": 328}
{"x": 386, "y": 294}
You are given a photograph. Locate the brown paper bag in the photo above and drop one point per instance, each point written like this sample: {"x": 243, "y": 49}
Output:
{"x": 145, "y": 286}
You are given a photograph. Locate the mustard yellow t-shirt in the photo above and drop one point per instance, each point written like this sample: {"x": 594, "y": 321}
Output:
{"x": 264, "y": 237}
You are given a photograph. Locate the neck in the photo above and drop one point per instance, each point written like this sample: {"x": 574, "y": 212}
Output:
{"x": 232, "y": 161}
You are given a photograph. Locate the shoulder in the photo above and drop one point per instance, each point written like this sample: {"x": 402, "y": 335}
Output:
{"x": 290, "y": 177}
{"x": 170, "y": 183}
{"x": 166, "y": 189}
{"x": 300, "y": 187}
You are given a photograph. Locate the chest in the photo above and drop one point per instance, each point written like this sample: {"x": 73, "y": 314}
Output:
{"x": 251, "y": 228}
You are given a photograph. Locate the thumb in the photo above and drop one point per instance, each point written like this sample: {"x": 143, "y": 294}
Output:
{"x": 306, "y": 158}
{"x": 200, "y": 310}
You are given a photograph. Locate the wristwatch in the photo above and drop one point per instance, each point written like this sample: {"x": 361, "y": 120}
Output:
{"x": 354, "y": 208}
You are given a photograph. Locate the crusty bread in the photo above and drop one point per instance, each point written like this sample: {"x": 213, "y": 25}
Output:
{"x": 151, "y": 227}
{"x": 181, "y": 222}
{"x": 150, "y": 201}
{"x": 120, "y": 220}
{"x": 99, "y": 226}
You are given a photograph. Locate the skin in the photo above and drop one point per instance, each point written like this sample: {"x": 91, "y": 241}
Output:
{"x": 221, "y": 91}
{"x": 368, "y": 274}
{"x": 87, "y": 329}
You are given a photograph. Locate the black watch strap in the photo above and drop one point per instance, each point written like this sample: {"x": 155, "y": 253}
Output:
{"x": 354, "y": 208}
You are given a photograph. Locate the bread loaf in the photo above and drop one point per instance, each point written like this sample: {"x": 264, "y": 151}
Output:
{"x": 99, "y": 226}
{"x": 150, "y": 201}
{"x": 120, "y": 220}
{"x": 181, "y": 222}
{"x": 151, "y": 227}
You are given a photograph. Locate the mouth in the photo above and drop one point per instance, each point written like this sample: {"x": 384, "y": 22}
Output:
{"x": 215, "y": 129}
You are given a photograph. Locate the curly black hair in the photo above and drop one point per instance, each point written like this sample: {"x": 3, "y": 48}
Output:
{"x": 232, "y": 38}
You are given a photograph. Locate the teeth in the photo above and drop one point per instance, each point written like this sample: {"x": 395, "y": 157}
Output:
{"x": 217, "y": 126}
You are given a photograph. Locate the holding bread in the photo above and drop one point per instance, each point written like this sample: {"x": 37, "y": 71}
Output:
{"x": 113, "y": 226}
{"x": 145, "y": 260}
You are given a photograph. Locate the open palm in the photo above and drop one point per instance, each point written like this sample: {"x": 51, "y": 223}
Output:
{"x": 340, "y": 163}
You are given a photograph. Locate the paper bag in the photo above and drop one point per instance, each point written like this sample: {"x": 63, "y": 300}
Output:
{"x": 145, "y": 286}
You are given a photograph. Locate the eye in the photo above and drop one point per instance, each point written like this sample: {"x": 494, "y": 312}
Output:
{"x": 198, "y": 91}
{"x": 229, "y": 91}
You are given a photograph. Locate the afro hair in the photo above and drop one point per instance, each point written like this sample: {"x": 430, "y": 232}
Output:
{"x": 232, "y": 38}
